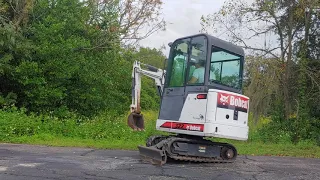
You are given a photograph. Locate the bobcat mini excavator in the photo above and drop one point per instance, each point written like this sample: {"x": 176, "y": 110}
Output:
{"x": 201, "y": 97}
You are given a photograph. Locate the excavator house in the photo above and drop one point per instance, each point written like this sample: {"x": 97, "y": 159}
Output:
{"x": 201, "y": 97}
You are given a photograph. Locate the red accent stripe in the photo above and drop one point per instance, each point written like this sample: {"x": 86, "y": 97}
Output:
{"x": 183, "y": 126}
{"x": 166, "y": 125}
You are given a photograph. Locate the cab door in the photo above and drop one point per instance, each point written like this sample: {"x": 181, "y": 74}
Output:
{"x": 195, "y": 92}
{"x": 174, "y": 89}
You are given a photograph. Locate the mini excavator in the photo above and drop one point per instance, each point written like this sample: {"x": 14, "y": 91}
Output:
{"x": 201, "y": 98}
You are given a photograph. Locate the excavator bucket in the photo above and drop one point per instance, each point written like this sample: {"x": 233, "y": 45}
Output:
{"x": 136, "y": 121}
{"x": 152, "y": 155}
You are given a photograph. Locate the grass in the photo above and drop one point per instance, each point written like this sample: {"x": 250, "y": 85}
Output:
{"x": 303, "y": 149}
{"x": 47, "y": 139}
{"x": 109, "y": 132}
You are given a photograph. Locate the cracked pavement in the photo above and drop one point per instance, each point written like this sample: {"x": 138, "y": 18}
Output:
{"x": 24, "y": 162}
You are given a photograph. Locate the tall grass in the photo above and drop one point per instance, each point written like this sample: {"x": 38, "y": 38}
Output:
{"x": 111, "y": 132}
{"x": 107, "y": 128}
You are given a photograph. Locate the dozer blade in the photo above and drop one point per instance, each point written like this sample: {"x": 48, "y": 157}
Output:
{"x": 153, "y": 155}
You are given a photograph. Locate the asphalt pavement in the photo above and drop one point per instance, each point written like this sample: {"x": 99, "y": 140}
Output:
{"x": 30, "y": 162}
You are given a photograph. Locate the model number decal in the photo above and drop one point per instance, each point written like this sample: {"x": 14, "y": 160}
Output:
{"x": 183, "y": 126}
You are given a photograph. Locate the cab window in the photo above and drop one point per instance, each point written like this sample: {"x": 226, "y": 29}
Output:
{"x": 187, "y": 62}
{"x": 178, "y": 63}
{"x": 197, "y": 63}
{"x": 225, "y": 68}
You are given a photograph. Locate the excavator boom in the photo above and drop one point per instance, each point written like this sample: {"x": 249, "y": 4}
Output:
{"x": 135, "y": 118}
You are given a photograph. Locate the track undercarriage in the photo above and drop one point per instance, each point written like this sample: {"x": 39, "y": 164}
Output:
{"x": 186, "y": 148}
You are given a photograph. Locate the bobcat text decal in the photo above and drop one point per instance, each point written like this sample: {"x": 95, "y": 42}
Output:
{"x": 183, "y": 126}
{"x": 230, "y": 101}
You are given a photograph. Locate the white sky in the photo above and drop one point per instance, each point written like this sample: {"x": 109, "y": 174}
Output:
{"x": 182, "y": 18}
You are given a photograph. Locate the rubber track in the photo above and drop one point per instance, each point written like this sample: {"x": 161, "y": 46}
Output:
{"x": 199, "y": 159}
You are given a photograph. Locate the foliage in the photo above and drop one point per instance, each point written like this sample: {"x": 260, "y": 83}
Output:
{"x": 133, "y": 20}
{"x": 64, "y": 58}
{"x": 153, "y": 57}
{"x": 67, "y": 64}
{"x": 278, "y": 72}
{"x": 280, "y": 131}
{"x": 107, "y": 126}
{"x": 262, "y": 77}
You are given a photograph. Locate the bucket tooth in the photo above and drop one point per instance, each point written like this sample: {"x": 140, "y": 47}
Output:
{"x": 153, "y": 155}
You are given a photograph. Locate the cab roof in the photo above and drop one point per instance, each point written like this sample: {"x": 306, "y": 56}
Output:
{"x": 214, "y": 41}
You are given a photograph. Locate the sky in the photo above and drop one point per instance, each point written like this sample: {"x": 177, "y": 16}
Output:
{"x": 182, "y": 18}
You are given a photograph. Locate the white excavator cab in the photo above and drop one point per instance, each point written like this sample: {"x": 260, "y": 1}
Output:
{"x": 213, "y": 105}
{"x": 201, "y": 96}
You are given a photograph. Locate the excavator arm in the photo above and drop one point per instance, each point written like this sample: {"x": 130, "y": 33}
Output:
{"x": 135, "y": 119}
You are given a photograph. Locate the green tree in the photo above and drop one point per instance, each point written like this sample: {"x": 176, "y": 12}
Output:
{"x": 151, "y": 56}
{"x": 279, "y": 77}
{"x": 65, "y": 57}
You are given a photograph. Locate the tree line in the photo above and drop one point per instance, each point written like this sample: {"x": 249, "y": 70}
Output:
{"x": 74, "y": 57}
{"x": 283, "y": 73}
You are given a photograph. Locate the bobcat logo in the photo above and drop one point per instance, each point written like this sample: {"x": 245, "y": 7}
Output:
{"x": 224, "y": 99}
{"x": 193, "y": 128}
